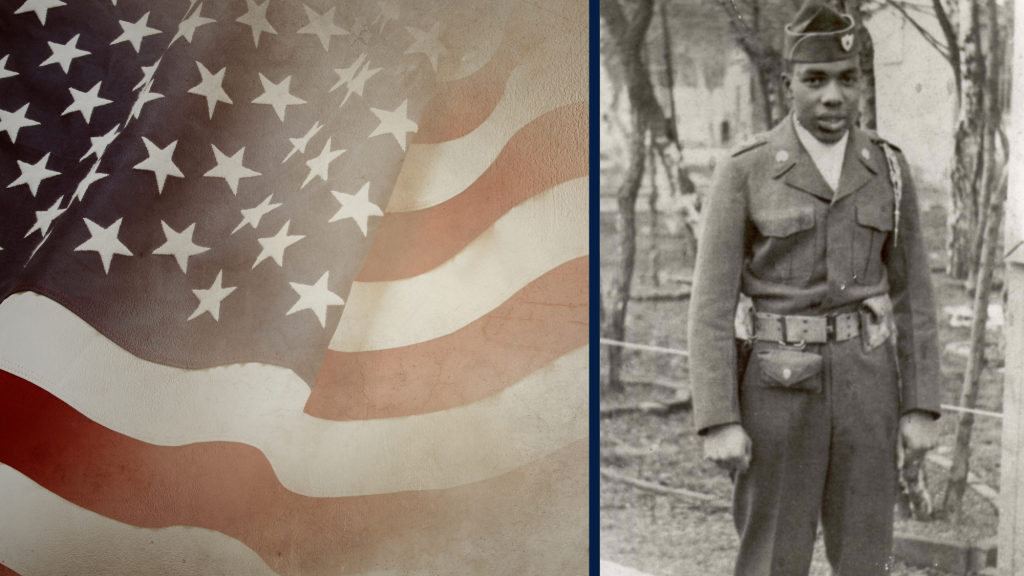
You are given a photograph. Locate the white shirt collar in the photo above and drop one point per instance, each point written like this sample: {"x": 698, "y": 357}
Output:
{"x": 827, "y": 157}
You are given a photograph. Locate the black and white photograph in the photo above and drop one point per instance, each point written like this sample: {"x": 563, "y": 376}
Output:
{"x": 811, "y": 288}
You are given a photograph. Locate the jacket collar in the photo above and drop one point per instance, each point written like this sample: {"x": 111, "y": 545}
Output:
{"x": 792, "y": 162}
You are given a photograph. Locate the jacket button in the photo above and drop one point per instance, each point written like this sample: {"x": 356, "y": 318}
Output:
{"x": 842, "y": 286}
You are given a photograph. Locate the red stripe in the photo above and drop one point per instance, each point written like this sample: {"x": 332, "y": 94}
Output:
{"x": 458, "y": 107}
{"x": 548, "y": 151}
{"x": 231, "y": 488}
{"x": 5, "y": 571}
{"x": 541, "y": 322}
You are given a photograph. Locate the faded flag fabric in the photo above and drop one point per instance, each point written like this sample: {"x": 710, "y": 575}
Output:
{"x": 293, "y": 287}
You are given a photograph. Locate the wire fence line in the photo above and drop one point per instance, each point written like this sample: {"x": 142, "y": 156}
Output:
{"x": 684, "y": 353}
{"x": 646, "y": 347}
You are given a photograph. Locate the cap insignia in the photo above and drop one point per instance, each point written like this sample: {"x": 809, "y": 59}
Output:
{"x": 847, "y": 41}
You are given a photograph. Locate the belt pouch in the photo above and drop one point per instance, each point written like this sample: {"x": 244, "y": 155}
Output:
{"x": 790, "y": 369}
{"x": 876, "y": 321}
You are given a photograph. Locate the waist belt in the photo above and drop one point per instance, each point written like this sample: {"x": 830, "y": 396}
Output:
{"x": 806, "y": 329}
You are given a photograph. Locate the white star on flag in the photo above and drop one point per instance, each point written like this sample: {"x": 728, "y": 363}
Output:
{"x": 354, "y": 81}
{"x": 395, "y": 122}
{"x": 316, "y": 298}
{"x": 63, "y": 54}
{"x": 322, "y": 25}
{"x": 359, "y": 83}
{"x": 147, "y": 74}
{"x": 46, "y": 217}
{"x": 277, "y": 95}
{"x": 33, "y": 174}
{"x": 427, "y": 43}
{"x": 179, "y": 245}
{"x": 135, "y": 32}
{"x": 210, "y": 87}
{"x": 38, "y": 246}
{"x": 91, "y": 177}
{"x": 160, "y": 163}
{"x": 256, "y": 18}
{"x": 345, "y": 75}
{"x": 188, "y": 26}
{"x": 252, "y": 216}
{"x": 210, "y": 299}
{"x": 39, "y": 7}
{"x": 11, "y": 122}
{"x": 299, "y": 144}
{"x": 144, "y": 98}
{"x": 357, "y": 207}
{"x": 104, "y": 242}
{"x": 4, "y": 72}
{"x": 86, "y": 102}
{"x": 100, "y": 143}
{"x": 230, "y": 168}
{"x": 388, "y": 11}
{"x": 318, "y": 166}
{"x": 273, "y": 247}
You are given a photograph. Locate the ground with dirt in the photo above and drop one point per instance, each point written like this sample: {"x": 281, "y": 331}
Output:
{"x": 666, "y": 535}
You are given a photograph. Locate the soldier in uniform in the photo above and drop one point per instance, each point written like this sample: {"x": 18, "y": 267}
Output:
{"x": 817, "y": 223}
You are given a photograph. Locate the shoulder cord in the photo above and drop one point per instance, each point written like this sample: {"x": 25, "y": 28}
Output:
{"x": 896, "y": 178}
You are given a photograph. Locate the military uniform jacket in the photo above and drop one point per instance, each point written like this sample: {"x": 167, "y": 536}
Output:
{"x": 773, "y": 229}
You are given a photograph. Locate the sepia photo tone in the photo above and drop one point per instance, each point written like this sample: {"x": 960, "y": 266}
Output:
{"x": 808, "y": 264}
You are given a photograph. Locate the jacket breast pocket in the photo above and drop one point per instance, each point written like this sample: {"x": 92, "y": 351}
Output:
{"x": 787, "y": 249}
{"x": 874, "y": 224}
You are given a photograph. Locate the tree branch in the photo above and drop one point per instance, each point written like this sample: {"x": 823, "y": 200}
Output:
{"x": 951, "y": 40}
{"x": 939, "y": 47}
{"x": 747, "y": 37}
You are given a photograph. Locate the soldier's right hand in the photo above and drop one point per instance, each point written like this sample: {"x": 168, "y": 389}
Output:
{"x": 729, "y": 447}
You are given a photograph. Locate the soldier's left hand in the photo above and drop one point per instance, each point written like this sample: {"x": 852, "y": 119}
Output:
{"x": 919, "y": 433}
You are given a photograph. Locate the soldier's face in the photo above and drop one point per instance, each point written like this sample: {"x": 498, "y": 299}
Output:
{"x": 826, "y": 97}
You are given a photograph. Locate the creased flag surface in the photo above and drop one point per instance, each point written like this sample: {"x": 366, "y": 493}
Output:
{"x": 293, "y": 287}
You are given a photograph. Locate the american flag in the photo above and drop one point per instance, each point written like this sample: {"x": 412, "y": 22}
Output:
{"x": 293, "y": 287}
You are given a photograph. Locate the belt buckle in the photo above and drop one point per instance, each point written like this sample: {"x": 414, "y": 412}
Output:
{"x": 830, "y": 327}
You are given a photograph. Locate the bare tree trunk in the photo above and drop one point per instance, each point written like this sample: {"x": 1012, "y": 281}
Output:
{"x": 992, "y": 39}
{"x": 957, "y": 484}
{"x": 653, "y": 255}
{"x": 968, "y": 144}
{"x": 868, "y": 107}
{"x": 628, "y": 34}
{"x": 947, "y": 13}
{"x": 984, "y": 245}
{"x": 625, "y": 223}
{"x": 765, "y": 88}
{"x": 766, "y": 60}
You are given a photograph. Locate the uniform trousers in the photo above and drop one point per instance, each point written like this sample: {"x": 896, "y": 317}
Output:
{"x": 828, "y": 455}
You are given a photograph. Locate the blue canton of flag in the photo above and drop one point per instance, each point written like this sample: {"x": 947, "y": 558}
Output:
{"x": 201, "y": 181}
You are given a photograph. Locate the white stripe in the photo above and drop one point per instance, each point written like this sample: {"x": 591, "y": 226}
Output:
{"x": 42, "y": 534}
{"x": 261, "y": 405}
{"x": 551, "y": 76}
{"x": 527, "y": 241}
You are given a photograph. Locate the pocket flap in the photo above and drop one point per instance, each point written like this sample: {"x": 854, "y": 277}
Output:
{"x": 790, "y": 369}
{"x": 780, "y": 224}
{"x": 875, "y": 216}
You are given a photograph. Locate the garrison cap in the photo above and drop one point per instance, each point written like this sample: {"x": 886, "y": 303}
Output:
{"x": 819, "y": 33}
